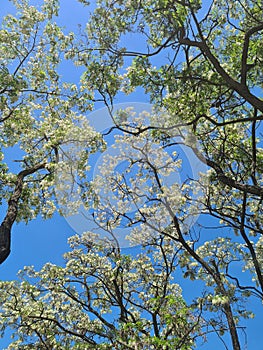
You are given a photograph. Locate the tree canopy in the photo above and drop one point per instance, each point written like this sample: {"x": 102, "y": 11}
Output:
{"x": 200, "y": 64}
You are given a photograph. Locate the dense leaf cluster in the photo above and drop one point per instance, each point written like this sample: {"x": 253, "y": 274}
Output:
{"x": 201, "y": 66}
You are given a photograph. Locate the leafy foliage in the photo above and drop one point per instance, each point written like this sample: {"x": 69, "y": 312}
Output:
{"x": 101, "y": 299}
{"x": 201, "y": 66}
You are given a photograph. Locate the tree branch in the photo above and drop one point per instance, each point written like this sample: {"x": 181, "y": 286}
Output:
{"x": 240, "y": 88}
{"x": 244, "y": 65}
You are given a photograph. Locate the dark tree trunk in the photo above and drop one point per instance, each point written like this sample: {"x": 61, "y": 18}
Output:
{"x": 5, "y": 242}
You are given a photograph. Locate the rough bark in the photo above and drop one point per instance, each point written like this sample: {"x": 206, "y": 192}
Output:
{"x": 5, "y": 241}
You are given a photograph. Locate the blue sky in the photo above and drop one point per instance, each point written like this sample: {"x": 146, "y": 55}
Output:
{"x": 42, "y": 241}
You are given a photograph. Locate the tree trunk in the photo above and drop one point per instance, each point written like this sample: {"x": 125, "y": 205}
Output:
{"x": 5, "y": 241}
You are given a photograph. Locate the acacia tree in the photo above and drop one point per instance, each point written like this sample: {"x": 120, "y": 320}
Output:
{"x": 38, "y": 113}
{"x": 101, "y": 299}
{"x": 209, "y": 78}
{"x": 201, "y": 65}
